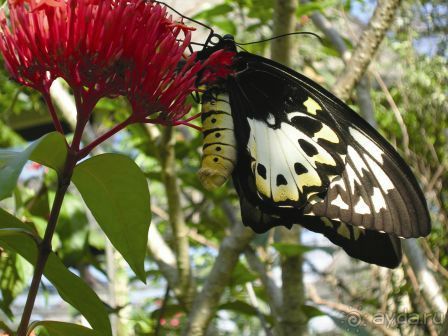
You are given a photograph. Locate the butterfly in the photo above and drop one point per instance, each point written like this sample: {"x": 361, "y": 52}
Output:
{"x": 299, "y": 155}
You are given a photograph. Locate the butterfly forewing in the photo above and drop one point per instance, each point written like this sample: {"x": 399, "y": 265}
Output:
{"x": 295, "y": 150}
{"x": 308, "y": 150}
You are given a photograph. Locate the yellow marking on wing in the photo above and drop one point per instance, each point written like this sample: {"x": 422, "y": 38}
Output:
{"x": 327, "y": 222}
{"x": 357, "y": 232}
{"x": 309, "y": 179}
{"x": 324, "y": 158}
{"x": 285, "y": 193}
{"x": 312, "y": 106}
{"x": 326, "y": 133}
{"x": 263, "y": 186}
{"x": 344, "y": 231}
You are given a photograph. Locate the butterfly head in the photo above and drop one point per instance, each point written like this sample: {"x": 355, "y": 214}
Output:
{"x": 215, "y": 43}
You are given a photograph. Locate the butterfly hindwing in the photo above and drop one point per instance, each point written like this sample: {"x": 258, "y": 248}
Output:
{"x": 309, "y": 151}
{"x": 370, "y": 246}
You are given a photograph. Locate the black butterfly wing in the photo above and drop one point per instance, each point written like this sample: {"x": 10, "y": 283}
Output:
{"x": 356, "y": 176}
{"x": 370, "y": 246}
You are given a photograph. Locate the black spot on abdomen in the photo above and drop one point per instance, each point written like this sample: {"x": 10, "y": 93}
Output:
{"x": 308, "y": 148}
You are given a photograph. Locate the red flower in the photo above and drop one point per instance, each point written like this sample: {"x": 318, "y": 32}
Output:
{"x": 132, "y": 48}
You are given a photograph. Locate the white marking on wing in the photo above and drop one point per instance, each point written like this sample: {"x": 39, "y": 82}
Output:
{"x": 383, "y": 180}
{"x": 338, "y": 181}
{"x": 361, "y": 207}
{"x": 352, "y": 178}
{"x": 259, "y": 150}
{"x": 311, "y": 178}
{"x": 292, "y": 115}
{"x": 280, "y": 166}
{"x": 358, "y": 162}
{"x": 367, "y": 144}
{"x": 271, "y": 119}
{"x": 378, "y": 200}
{"x": 339, "y": 202}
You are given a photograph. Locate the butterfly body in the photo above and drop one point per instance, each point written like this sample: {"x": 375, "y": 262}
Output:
{"x": 219, "y": 148}
{"x": 304, "y": 157}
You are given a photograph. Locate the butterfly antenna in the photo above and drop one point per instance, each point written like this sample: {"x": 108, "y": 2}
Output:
{"x": 211, "y": 34}
{"x": 280, "y": 36}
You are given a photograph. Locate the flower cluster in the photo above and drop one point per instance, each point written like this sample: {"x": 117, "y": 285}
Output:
{"x": 106, "y": 48}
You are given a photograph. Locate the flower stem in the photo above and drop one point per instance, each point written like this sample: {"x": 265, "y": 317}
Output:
{"x": 54, "y": 117}
{"x": 44, "y": 248}
{"x": 86, "y": 150}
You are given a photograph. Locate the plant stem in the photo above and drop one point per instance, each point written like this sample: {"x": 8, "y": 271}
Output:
{"x": 86, "y": 150}
{"x": 54, "y": 116}
{"x": 44, "y": 248}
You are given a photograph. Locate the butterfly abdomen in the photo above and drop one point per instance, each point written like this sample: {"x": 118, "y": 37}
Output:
{"x": 219, "y": 149}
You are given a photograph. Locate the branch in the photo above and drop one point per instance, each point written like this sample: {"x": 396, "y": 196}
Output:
{"x": 176, "y": 216}
{"x": 364, "y": 100}
{"x": 433, "y": 261}
{"x": 207, "y": 301}
{"x": 354, "y": 316}
{"x": 366, "y": 48}
{"x": 67, "y": 106}
{"x": 325, "y": 26}
{"x": 445, "y": 325}
{"x": 254, "y": 302}
{"x": 430, "y": 288}
{"x": 273, "y": 292}
{"x": 421, "y": 303}
{"x": 363, "y": 87}
{"x": 284, "y": 23}
{"x": 396, "y": 111}
{"x": 165, "y": 259}
{"x": 293, "y": 321}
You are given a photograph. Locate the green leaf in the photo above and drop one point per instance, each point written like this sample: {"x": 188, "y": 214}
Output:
{"x": 116, "y": 191}
{"x": 71, "y": 288}
{"x": 308, "y": 8}
{"x": 311, "y": 311}
{"x": 13, "y": 280}
{"x": 241, "y": 275}
{"x": 50, "y": 150}
{"x": 239, "y": 307}
{"x": 221, "y": 9}
{"x": 55, "y": 328}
